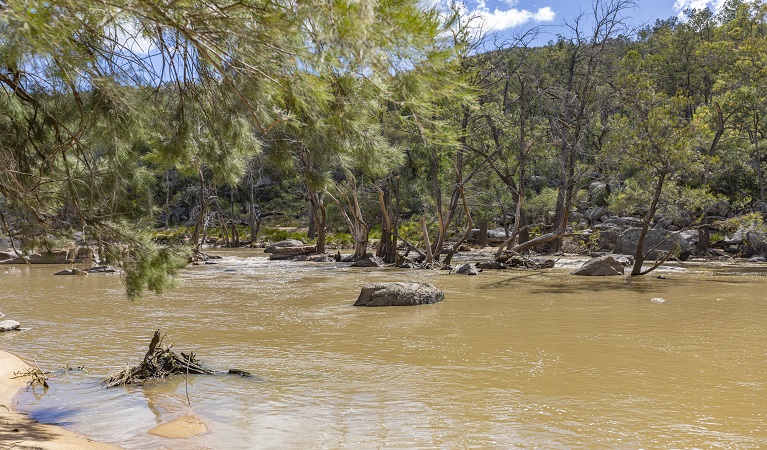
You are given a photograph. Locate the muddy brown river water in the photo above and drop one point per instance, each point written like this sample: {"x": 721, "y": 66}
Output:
{"x": 516, "y": 359}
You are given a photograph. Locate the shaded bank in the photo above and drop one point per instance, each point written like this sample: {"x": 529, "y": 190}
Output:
{"x": 19, "y": 431}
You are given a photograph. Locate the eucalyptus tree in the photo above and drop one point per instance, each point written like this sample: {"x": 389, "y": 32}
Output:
{"x": 743, "y": 84}
{"x": 507, "y": 130}
{"x": 651, "y": 139}
{"x": 581, "y": 59}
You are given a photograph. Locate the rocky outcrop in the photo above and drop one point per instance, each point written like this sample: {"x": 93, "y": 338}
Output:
{"x": 9, "y": 325}
{"x": 595, "y": 214}
{"x": 657, "y": 239}
{"x": 600, "y": 267}
{"x": 599, "y": 192}
{"x": 398, "y": 294}
{"x": 496, "y": 236}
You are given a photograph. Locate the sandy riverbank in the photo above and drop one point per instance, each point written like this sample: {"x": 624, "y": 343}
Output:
{"x": 18, "y": 431}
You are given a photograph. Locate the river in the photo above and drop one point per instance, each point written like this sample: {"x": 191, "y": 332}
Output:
{"x": 510, "y": 359}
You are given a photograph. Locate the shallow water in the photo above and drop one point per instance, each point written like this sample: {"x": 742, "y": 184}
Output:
{"x": 509, "y": 359}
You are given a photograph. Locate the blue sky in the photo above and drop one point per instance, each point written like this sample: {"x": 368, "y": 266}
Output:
{"x": 510, "y": 16}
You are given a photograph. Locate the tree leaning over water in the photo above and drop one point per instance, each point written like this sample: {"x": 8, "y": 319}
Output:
{"x": 95, "y": 93}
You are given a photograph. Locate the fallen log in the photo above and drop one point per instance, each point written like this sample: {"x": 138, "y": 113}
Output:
{"x": 159, "y": 362}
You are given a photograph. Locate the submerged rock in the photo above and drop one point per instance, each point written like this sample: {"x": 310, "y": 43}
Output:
{"x": 179, "y": 428}
{"x": 494, "y": 265}
{"x": 600, "y": 267}
{"x": 74, "y": 271}
{"x": 102, "y": 269}
{"x": 398, "y": 294}
{"x": 9, "y": 325}
{"x": 325, "y": 257}
{"x": 540, "y": 263}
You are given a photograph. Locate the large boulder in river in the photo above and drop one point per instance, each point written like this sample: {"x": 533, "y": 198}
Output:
{"x": 398, "y": 294}
{"x": 9, "y": 325}
{"x": 496, "y": 236}
{"x": 467, "y": 269}
{"x": 291, "y": 252}
{"x": 600, "y": 267}
{"x": 371, "y": 261}
{"x": 289, "y": 243}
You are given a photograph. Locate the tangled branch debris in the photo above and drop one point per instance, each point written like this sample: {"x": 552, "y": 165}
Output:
{"x": 37, "y": 376}
{"x": 159, "y": 362}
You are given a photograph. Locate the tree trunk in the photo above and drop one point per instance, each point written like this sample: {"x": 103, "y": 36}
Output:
{"x": 199, "y": 225}
{"x": 312, "y": 233}
{"x": 318, "y": 212}
{"x": 253, "y": 223}
{"x": 387, "y": 249}
{"x": 704, "y": 240}
{"x": 168, "y": 212}
{"x": 639, "y": 254}
{"x": 759, "y": 171}
{"x": 429, "y": 255}
{"x": 469, "y": 224}
{"x": 482, "y": 234}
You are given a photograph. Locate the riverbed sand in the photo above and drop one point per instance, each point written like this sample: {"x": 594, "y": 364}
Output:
{"x": 18, "y": 431}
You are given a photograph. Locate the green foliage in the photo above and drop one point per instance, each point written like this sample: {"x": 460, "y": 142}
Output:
{"x": 540, "y": 208}
{"x": 272, "y": 234}
{"x": 146, "y": 265}
{"x": 753, "y": 221}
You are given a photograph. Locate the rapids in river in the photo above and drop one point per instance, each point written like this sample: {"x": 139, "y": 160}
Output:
{"x": 510, "y": 359}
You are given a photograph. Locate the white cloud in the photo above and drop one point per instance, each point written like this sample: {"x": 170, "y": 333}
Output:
{"x": 498, "y": 20}
{"x": 681, "y": 5}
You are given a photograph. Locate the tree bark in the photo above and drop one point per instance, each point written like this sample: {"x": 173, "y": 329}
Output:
{"x": 639, "y": 254}
{"x": 319, "y": 219}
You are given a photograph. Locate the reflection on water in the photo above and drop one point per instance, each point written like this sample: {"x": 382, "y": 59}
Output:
{"x": 509, "y": 359}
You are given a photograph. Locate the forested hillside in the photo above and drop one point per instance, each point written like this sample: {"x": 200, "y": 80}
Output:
{"x": 123, "y": 118}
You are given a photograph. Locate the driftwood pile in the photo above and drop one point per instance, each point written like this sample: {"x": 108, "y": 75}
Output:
{"x": 159, "y": 362}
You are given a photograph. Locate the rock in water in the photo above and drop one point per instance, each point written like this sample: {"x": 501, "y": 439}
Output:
{"x": 398, "y": 294}
{"x": 289, "y": 243}
{"x": 494, "y": 265}
{"x": 74, "y": 271}
{"x": 658, "y": 300}
{"x": 373, "y": 261}
{"x": 179, "y": 428}
{"x": 600, "y": 266}
{"x": 9, "y": 325}
{"x": 467, "y": 269}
